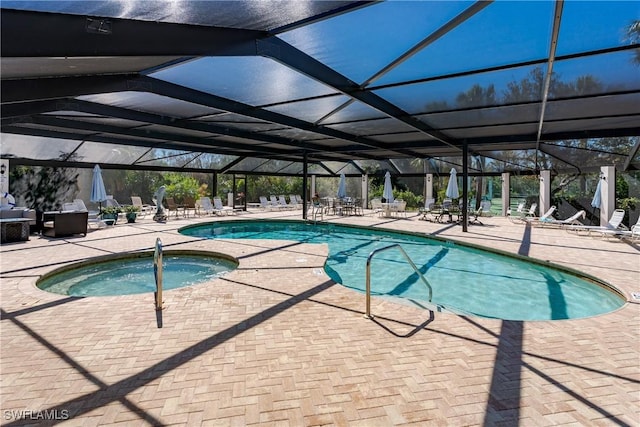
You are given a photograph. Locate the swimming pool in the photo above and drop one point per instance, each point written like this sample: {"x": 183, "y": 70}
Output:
{"x": 463, "y": 278}
{"x": 134, "y": 274}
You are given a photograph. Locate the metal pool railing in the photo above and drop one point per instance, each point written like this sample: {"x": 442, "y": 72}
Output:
{"x": 368, "y": 289}
{"x": 157, "y": 270}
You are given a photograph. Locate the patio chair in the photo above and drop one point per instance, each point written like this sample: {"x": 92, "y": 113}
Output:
{"x": 144, "y": 209}
{"x": 399, "y": 207}
{"x": 376, "y": 206}
{"x": 94, "y": 220}
{"x": 172, "y": 206}
{"x": 282, "y": 201}
{"x": 220, "y": 208}
{"x": 633, "y": 233}
{"x": 614, "y": 224}
{"x": 551, "y": 222}
{"x": 476, "y": 214}
{"x": 267, "y": 205}
{"x": 189, "y": 204}
{"x": 207, "y": 206}
{"x": 545, "y": 217}
{"x": 426, "y": 209}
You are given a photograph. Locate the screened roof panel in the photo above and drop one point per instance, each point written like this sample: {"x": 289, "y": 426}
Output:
{"x": 334, "y": 81}
{"x": 590, "y": 124}
{"x": 161, "y": 157}
{"x": 94, "y": 152}
{"x": 372, "y": 127}
{"x": 354, "y": 111}
{"x": 292, "y": 133}
{"x": 65, "y": 66}
{"x": 312, "y": 110}
{"x": 502, "y": 33}
{"x": 250, "y": 80}
{"x": 485, "y": 116}
{"x": 374, "y": 166}
{"x": 212, "y": 161}
{"x": 409, "y": 165}
{"x": 516, "y": 129}
{"x": 176, "y": 131}
{"x": 367, "y": 31}
{"x": 49, "y": 128}
{"x": 248, "y": 164}
{"x": 601, "y": 106}
{"x": 35, "y": 147}
{"x": 395, "y": 138}
{"x": 332, "y": 142}
{"x": 234, "y": 14}
{"x": 273, "y": 166}
{"x": 341, "y": 167}
{"x": 150, "y": 103}
{"x": 477, "y": 90}
{"x": 584, "y": 158}
{"x": 596, "y": 74}
{"x": 112, "y": 121}
{"x": 595, "y": 25}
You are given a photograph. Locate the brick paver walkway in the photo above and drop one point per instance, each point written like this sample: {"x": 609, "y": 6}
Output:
{"x": 276, "y": 342}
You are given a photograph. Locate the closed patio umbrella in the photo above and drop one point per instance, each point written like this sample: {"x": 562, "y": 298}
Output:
{"x": 597, "y": 197}
{"x": 387, "y": 192}
{"x": 98, "y": 192}
{"x": 452, "y": 187}
{"x": 342, "y": 187}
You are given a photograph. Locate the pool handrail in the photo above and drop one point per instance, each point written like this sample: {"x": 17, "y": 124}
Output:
{"x": 368, "y": 284}
{"x": 157, "y": 269}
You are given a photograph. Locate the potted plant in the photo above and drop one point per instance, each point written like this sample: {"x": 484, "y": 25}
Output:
{"x": 110, "y": 213}
{"x": 131, "y": 212}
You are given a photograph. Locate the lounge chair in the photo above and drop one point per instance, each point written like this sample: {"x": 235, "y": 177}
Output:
{"x": 207, "y": 206}
{"x": 614, "y": 224}
{"x": 220, "y": 208}
{"x": 632, "y": 234}
{"x": 545, "y": 217}
{"x": 282, "y": 201}
{"x": 519, "y": 213}
{"x": 551, "y": 222}
{"x": 267, "y": 205}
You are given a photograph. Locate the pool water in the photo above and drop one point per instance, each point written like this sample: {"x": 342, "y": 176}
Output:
{"x": 125, "y": 275}
{"x": 463, "y": 279}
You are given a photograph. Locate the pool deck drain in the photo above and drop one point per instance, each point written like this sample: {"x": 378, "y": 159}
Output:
{"x": 276, "y": 343}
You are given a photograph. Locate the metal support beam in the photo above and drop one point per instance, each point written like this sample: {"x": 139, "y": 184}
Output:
{"x": 465, "y": 186}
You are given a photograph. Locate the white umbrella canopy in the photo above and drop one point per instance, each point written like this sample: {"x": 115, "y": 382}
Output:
{"x": 387, "y": 192}
{"x": 597, "y": 197}
{"x": 452, "y": 187}
{"x": 98, "y": 192}
{"x": 342, "y": 187}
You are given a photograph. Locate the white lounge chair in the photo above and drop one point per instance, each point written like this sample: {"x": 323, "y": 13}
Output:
{"x": 219, "y": 207}
{"x": 614, "y": 224}
{"x": 282, "y": 201}
{"x": 545, "y": 217}
{"x": 551, "y": 222}
{"x": 267, "y": 205}
{"x": 632, "y": 234}
{"x": 207, "y": 206}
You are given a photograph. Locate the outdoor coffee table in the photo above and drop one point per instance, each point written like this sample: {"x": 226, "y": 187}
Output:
{"x": 14, "y": 229}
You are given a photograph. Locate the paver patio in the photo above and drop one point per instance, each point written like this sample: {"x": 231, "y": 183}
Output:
{"x": 276, "y": 342}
